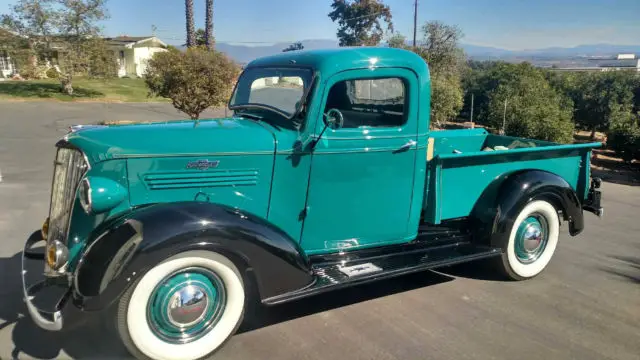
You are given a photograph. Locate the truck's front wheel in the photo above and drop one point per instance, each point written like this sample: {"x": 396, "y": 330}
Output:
{"x": 532, "y": 241}
{"x": 183, "y": 308}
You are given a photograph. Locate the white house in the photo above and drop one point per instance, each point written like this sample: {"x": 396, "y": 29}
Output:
{"x": 133, "y": 52}
{"x": 6, "y": 65}
{"x": 626, "y": 56}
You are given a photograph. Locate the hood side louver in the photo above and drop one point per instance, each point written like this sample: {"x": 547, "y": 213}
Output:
{"x": 200, "y": 179}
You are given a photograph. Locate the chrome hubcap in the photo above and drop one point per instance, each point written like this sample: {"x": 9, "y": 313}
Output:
{"x": 186, "y": 305}
{"x": 531, "y": 238}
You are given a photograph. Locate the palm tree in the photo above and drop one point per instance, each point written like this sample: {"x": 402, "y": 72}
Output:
{"x": 191, "y": 39}
{"x": 208, "y": 35}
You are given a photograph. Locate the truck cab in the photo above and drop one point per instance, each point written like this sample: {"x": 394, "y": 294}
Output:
{"x": 327, "y": 175}
{"x": 366, "y": 166}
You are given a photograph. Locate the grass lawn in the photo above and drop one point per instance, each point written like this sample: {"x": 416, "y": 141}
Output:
{"x": 116, "y": 90}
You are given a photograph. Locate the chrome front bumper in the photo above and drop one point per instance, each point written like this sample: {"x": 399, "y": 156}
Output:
{"x": 46, "y": 298}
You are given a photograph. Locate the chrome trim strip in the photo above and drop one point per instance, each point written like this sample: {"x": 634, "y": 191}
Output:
{"x": 370, "y": 137}
{"x": 359, "y": 150}
{"x": 128, "y": 156}
{"x": 86, "y": 160}
{"x": 80, "y": 127}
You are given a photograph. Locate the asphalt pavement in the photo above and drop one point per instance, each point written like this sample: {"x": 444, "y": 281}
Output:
{"x": 585, "y": 305}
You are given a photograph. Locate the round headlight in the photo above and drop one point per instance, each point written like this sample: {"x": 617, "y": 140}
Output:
{"x": 85, "y": 195}
{"x": 57, "y": 255}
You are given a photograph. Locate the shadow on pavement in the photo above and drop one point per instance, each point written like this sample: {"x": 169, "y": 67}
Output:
{"x": 27, "y": 89}
{"x": 87, "y": 341}
{"x": 262, "y": 316}
{"x": 478, "y": 270}
{"x": 630, "y": 269}
{"x": 94, "y": 340}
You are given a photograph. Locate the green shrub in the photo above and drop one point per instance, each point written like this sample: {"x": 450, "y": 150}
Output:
{"x": 52, "y": 73}
{"x": 101, "y": 61}
{"x": 194, "y": 80}
{"x": 623, "y": 136}
{"x": 34, "y": 72}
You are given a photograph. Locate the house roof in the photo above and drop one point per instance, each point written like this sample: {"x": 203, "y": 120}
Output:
{"x": 129, "y": 41}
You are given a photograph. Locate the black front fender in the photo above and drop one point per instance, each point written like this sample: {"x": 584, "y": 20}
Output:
{"x": 145, "y": 237}
{"x": 499, "y": 205}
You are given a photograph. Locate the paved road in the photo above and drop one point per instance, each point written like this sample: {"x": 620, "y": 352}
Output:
{"x": 586, "y": 305}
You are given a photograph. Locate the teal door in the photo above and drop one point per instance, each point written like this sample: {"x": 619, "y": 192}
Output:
{"x": 362, "y": 174}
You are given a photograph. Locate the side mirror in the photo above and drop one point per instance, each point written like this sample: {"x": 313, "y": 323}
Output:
{"x": 334, "y": 119}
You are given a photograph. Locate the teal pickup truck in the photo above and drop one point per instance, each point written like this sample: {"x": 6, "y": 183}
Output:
{"x": 326, "y": 176}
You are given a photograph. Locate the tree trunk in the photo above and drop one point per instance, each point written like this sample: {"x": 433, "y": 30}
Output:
{"x": 191, "y": 37}
{"x": 208, "y": 31}
{"x": 65, "y": 82}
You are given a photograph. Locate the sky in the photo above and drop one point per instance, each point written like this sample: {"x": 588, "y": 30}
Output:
{"x": 506, "y": 24}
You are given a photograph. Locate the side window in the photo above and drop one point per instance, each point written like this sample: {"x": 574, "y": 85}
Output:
{"x": 369, "y": 102}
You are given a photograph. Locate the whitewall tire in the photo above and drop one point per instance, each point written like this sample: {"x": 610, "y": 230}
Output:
{"x": 532, "y": 241}
{"x": 184, "y": 308}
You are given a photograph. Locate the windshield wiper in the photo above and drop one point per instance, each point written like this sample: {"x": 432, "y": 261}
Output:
{"x": 249, "y": 116}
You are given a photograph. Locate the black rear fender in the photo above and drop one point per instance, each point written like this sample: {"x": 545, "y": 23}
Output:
{"x": 499, "y": 205}
{"x": 271, "y": 260}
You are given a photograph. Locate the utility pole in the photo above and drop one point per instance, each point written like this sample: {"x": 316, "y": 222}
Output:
{"x": 472, "y": 110}
{"x": 415, "y": 22}
{"x": 504, "y": 117}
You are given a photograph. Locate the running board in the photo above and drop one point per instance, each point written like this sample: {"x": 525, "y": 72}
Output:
{"x": 335, "y": 275}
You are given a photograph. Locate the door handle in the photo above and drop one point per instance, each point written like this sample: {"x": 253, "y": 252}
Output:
{"x": 407, "y": 146}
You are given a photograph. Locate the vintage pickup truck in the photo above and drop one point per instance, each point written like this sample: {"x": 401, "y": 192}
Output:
{"x": 326, "y": 176}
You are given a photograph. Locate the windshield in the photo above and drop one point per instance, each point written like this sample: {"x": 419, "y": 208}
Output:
{"x": 276, "y": 88}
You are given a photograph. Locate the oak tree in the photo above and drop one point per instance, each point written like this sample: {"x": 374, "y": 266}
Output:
{"x": 360, "y": 22}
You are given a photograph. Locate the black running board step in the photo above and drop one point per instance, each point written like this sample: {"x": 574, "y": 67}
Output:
{"x": 335, "y": 276}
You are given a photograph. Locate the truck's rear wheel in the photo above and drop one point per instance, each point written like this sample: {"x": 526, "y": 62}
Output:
{"x": 184, "y": 308}
{"x": 532, "y": 241}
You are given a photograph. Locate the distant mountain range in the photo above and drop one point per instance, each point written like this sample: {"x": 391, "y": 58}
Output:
{"x": 244, "y": 54}
{"x": 594, "y": 50}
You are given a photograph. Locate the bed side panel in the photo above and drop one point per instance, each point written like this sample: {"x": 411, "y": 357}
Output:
{"x": 457, "y": 183}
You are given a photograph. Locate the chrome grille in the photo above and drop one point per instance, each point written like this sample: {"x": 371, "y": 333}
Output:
{"x": 69, "y": 168}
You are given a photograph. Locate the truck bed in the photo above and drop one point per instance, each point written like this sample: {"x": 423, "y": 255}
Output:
{"x": 462, "y": 163}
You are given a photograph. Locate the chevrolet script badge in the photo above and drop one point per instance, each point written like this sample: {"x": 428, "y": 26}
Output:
{"x": 202, "y": 164}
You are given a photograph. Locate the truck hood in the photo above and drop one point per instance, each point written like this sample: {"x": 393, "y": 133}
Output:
{"x": 173, "y": 138}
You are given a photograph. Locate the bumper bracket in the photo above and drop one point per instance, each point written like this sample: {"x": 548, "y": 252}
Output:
{"x": 45, "y": 297}
{"x": 592, "y": 203}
